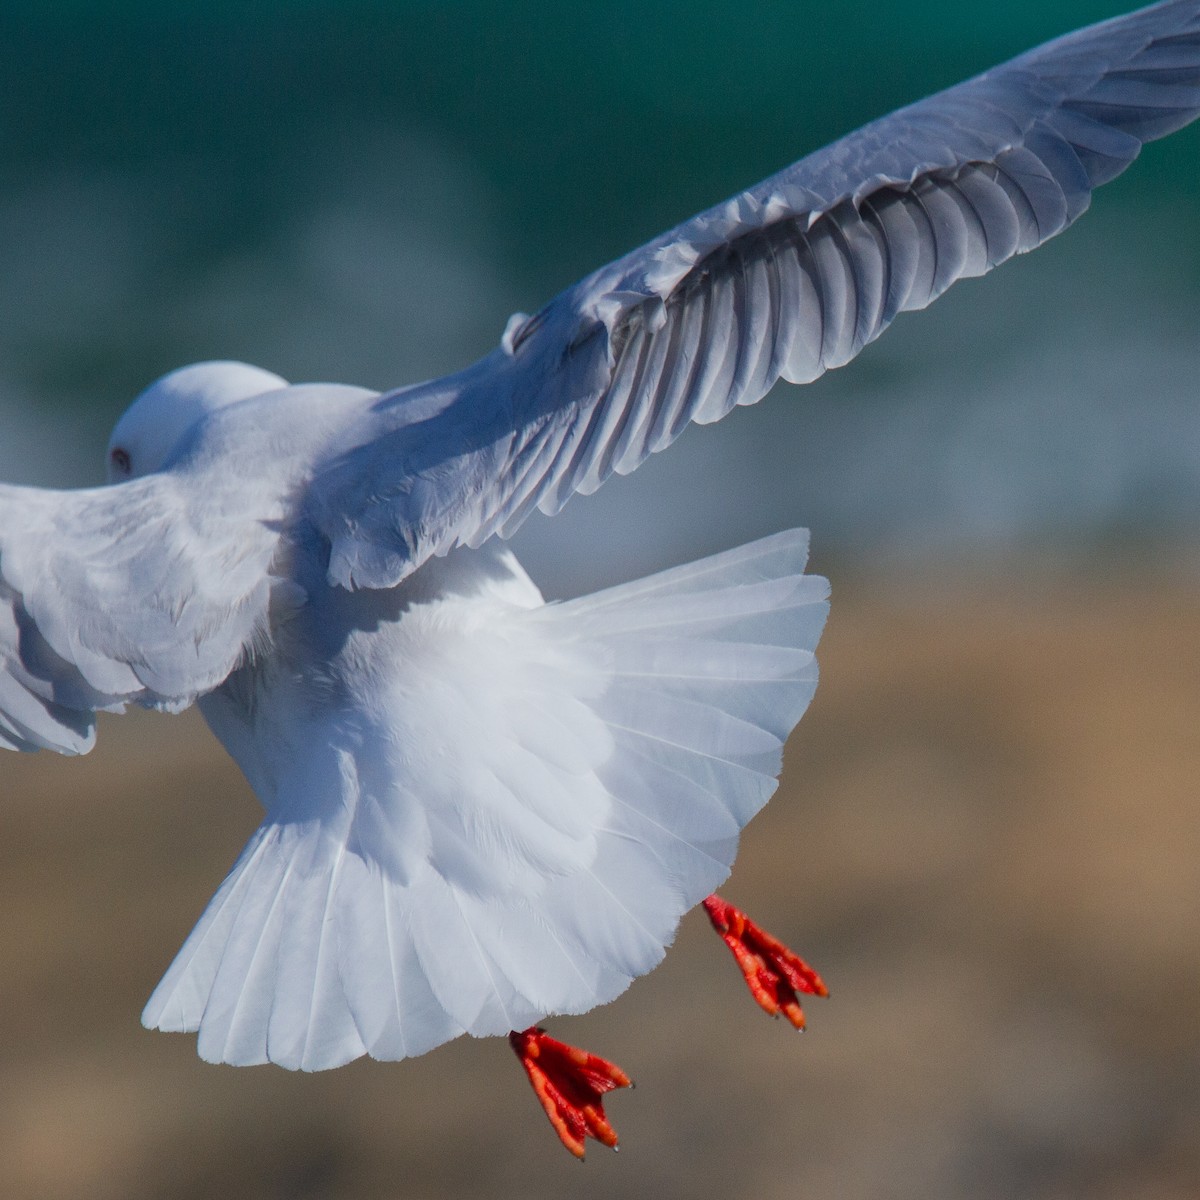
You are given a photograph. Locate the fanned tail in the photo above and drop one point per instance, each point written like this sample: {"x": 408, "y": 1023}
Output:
{"x": 561, "y": 784}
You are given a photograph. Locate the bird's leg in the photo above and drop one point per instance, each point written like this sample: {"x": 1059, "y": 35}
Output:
{"x": 774, "y": 974}
{"x": 570, "y": 1083}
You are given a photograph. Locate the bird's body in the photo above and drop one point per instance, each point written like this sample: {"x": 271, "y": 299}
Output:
{"x": 492, "y": 808}
{"x": 480, "y": 808}
{"x": 462, "y": 784}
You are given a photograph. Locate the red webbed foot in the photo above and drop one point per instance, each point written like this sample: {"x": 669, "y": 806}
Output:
{"x": 774, "y": 974}
{"x": 571, "y": 1084}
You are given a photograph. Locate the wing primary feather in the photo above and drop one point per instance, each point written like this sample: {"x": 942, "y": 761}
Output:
{"x": 706, "y": 403}
{"x": 841, "y": 224}
{"x": 975, "y": 240}
{"x": 837, "y": 291}
{"x": 694, "y": 314}
{"x": 1027, "y": 220}
{"x": 994, "y": 220}
{"x": 663, "y": 351}
{"x": 575, "y": 473}
{"x": 865, "y": 253}
{"x": 754, "y": 377}
{"x": 897, "y": 257}
{"x": 792, "y": 313}
{"x": 777, "y": 342}
{"x": 748, "y": 342}
{"x": 526, "y": 495}
{"x": 1070, "y": 176}
{"x": 626, "y": 402}
{"x": 1045, "y": 200}
{"x": 805, "y": 363}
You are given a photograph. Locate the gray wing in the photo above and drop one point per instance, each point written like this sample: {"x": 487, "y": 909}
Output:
{"x": 109, "y": 595}
{"x": 786, "y": 280}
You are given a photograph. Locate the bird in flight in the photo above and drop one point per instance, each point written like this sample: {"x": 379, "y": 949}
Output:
{"x": 482, "y": 809}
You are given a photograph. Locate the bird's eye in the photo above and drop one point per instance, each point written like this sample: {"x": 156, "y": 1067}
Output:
{"x": 120, "y": 461}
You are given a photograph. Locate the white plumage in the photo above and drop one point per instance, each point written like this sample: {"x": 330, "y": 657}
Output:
{"x": 485, "y": 809}
{"x": 479, "y": 808}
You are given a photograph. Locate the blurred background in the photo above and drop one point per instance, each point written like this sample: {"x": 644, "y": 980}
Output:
{"x": 987, "y": 833}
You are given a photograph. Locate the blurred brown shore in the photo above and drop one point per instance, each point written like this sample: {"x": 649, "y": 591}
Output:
{"x": 987, "y": 838}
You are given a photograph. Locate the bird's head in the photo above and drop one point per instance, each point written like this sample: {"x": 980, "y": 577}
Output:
{"x": 153, "y": 424}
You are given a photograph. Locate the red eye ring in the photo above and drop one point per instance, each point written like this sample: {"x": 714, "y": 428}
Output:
{"x": 120, "y": 460}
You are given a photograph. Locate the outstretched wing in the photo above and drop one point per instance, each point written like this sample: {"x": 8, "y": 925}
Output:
{"x": 114, "y": 594}
{"x": 786, "y": 280}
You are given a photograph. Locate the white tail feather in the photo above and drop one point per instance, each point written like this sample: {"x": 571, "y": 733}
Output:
{"x": 598, "y": 768}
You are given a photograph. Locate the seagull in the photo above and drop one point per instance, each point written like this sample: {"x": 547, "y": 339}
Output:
{"x": 481, "y": 809}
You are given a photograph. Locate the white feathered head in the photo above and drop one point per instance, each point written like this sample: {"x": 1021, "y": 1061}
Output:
{"x": 152, "y": 425}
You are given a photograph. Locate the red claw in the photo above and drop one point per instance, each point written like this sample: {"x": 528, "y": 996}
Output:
{"x": 774, "y": 974}
{"x": 570, "y": 1083}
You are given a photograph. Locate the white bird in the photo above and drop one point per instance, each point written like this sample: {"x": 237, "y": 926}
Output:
{"x": 481, "y": 809}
